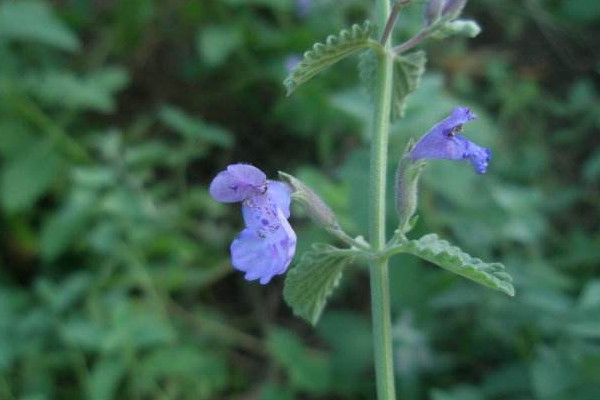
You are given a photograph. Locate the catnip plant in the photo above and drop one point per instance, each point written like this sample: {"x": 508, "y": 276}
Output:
{"x": 266, "y": 246}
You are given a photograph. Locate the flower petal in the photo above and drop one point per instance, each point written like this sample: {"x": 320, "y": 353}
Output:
{"x": 237, "y": 183}
{"x": 281, "y": 195}
{"x": 260, "y": 212}
{"x": 443, "y": 142}
{"x": 262, "y": 255}
{"x": 477, "y": 155}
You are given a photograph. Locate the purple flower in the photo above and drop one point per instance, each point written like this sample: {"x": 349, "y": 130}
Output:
{"x": 266, "y": 246}
{"x": 444, "y": 142}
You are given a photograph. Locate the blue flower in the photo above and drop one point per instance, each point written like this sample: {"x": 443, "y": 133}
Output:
{"x": 444, "y": 142}
{"x": 266, "y": 246}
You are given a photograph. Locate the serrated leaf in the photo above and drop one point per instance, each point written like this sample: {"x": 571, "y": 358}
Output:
{"x": 444, "y": 255}
{"x": 324, "y": 55}
{"x": 308, "y": 286}
{"x": 408, "y": 70}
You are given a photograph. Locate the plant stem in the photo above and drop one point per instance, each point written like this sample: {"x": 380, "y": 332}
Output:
{"x": 391, "y": 20}
{"x": 380, "y": 296}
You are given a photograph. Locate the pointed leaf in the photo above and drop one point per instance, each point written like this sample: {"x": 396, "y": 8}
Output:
{"x": 444, "y": 255}
{"x": 308, "y": 285}
{"x": 103, "y": 381}
{"x": 323, "y": 55}
{"x": 25, "y": 179}
{"x": 408, "y": 71}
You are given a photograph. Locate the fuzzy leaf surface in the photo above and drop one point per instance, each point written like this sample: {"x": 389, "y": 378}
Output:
{"x": 444, "y": 255}
{"x": 408, "y": 70}
{"x": 324, "y": 55}
{"x": 308, "y": 286}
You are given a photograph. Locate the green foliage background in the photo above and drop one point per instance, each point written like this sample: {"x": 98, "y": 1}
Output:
{"x": 114, "y": 274}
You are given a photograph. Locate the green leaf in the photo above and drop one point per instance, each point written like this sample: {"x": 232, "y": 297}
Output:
{"x": 552, "y": 374}
{"x": 216, "y": 43}
{"x": 324, "y": 55}
{"x": 307, "y": 369}
{"x": 408, "y": 70}
{"x": 308, "y": 285}
{"x": 444, "y": 255}
{"x": 95, "y": 91}
{"x": 197, "y": 368}
{"x": 33, "y": 21}
{"x": 273, "y": 392}
{"x": 103, "y": 380}
{"x": 194, "y": 128}
{"x": 65, "y": 226}
{"x": 27, "y": 178}
{"x": 343, "y": 330}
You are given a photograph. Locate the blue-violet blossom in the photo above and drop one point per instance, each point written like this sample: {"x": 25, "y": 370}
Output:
{"x": 444, "y": 142}
{"x": 266, "y": 246}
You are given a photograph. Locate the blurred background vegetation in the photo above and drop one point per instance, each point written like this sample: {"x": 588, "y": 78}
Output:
{"x": 115, "y": 280}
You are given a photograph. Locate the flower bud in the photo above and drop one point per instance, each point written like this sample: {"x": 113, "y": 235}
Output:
{"x": 464, "y": 28}
{"x": 316, "y": 208}
{"x": 406, "y": 187}
{"x": 461, "y": 27}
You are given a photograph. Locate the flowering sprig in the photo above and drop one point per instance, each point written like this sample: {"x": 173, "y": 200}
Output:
{"x": 266, "y": 246}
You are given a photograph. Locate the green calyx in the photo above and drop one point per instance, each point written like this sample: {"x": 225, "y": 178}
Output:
{"x": 406, "y": 189}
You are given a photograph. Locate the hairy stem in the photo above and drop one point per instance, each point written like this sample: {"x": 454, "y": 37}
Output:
{"x": 380, "y": 296}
